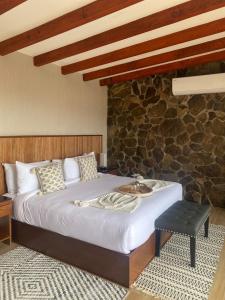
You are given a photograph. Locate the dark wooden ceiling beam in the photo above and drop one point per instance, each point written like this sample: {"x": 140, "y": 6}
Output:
{"x": 157, "y": 59}
{"x": 173, "y": 66}
{"x": 71, "y": 20}
{"x": 6, "y": 5}
{"x": 163, "y": 18}
{"x": 148, "y": 46}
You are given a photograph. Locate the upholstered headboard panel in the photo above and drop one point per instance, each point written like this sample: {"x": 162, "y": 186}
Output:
{"x": 36, "y": 148}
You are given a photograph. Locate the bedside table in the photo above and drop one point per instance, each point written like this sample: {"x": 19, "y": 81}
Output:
{"x": 112, "y": 171}
{"x": 5, "y": 219}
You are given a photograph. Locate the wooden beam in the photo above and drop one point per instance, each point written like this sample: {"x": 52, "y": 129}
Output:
{"x": 71, "y": 20}
{"x": 157, "y": 59}
{"x": 6, "y": 5}
{"x": 166, "y": 17}
{"x": 182, "y": 64}
{"x": 148, "y": 46}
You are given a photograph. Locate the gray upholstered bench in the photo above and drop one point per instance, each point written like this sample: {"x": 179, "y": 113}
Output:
{"x": 186, "y": 218}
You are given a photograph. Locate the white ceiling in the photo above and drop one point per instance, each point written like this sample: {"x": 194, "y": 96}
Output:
{"x": 33, "y": 13}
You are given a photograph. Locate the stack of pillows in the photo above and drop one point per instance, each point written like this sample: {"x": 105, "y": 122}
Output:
{"x": 49, "y": 176}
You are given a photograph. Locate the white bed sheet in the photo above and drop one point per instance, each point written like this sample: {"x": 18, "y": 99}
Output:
{"x": 114, "y": 230}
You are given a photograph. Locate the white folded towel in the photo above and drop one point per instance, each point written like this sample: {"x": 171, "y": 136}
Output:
{"x": 114, "y": 201}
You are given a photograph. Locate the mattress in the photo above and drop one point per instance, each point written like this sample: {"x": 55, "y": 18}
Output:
{"x": 114, "y": 230}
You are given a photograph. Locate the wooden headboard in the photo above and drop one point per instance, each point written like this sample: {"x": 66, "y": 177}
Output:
{"x": 37, "y": 148}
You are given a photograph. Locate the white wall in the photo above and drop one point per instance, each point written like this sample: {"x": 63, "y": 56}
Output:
{"x": 42, "y": 101}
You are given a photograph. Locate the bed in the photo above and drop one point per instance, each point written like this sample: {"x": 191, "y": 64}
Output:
{"x": 113, "y": 245}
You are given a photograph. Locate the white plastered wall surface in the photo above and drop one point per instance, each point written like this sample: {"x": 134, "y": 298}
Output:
{"x": 39, "y": 101}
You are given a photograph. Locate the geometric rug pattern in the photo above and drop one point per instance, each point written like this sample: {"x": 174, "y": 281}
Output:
{"x": 171, "y": 277}
{"x": 28, "y": 275}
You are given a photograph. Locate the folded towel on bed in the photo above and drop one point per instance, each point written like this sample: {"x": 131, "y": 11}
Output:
{"x": 122, "y": 202}
{"x": 114, "y": 201}
{"x": 155, "y": 184}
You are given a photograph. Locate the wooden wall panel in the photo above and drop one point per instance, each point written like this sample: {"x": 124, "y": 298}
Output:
{"x": 36, "y": 148}
{"x": 69, "y": 146}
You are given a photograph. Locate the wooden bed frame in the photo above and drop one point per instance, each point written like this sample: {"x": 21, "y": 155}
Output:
{"x": 114, "y": 266}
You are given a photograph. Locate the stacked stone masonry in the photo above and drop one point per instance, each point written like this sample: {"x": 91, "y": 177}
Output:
{"x": 161, "y": 136}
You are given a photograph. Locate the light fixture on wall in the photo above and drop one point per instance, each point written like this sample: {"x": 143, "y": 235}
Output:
{"x": 103, "y": 160}
{"x": 205, "y": 84}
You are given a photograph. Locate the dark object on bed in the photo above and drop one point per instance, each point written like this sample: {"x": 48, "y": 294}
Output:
{"x": 108, "y": 170}
{"x": 185, "y": 218}
{"x": 117, "y": 267}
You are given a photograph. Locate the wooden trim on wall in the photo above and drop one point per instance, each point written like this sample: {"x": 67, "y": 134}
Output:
{"x": 148, "y": 46}
{"x": 166, "y": 17}
{"x": 71, "y": 20}
{"x": 37, "y": 148}
{"x": 182, "y": 64}
{"x": 6, "y": 5}
{"x": 47, "y": 135}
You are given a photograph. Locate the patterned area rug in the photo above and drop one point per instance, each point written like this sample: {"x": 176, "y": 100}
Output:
{"x": 170, "y": 276}
{"x": 28, "y": 275}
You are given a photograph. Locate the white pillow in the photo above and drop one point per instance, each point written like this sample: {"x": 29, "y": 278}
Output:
{"x": 70, "y": 167}
{"x": 10, "y": 178}
{"x": 27, "y": 180}
{"x": 90, "y": 153}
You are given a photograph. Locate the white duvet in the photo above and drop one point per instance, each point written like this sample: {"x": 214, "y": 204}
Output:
{"x": 114, "y": 230}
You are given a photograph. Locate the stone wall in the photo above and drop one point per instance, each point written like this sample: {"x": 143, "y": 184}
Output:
{"x": 161, "y": 136}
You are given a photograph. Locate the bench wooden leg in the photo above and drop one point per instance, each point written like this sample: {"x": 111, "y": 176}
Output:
{"x": 206, "y": 225}
{"x": 192, "y": 250}
{"x": 157, "y": 242}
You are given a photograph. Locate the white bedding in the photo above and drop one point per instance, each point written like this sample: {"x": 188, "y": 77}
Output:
{"x": 114, "y": 230}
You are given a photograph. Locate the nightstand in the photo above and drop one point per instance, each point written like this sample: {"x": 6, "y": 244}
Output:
{"x": 112, "y": 171}
{"x": 5, "y": 219}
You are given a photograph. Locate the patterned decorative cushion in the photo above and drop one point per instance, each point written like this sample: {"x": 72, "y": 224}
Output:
{"x": 88, "y": 167}
{"x": 51, "y": 178}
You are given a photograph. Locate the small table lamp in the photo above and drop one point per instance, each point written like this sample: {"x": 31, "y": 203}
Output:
{"x": 103, "y": 160}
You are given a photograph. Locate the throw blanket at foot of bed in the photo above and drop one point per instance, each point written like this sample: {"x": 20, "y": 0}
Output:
{"x": 122, "y": 202}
